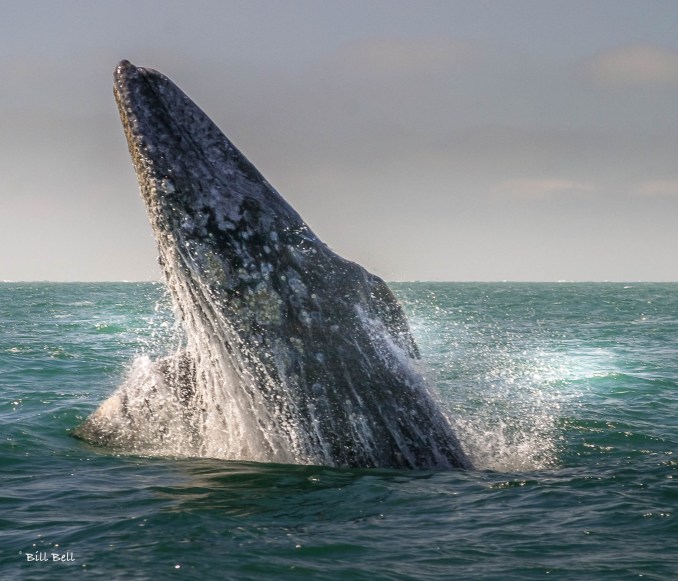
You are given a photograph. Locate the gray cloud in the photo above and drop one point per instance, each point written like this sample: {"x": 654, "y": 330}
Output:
{"x": 634, "y": 65}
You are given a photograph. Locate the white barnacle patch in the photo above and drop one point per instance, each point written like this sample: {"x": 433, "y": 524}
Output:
{"x": 201, "y": 219}
{"x": 214, "y": 193}
{"x": 304, "y": 317}
{"x": 297, "y": 287}
{"x": 266, "y": 304}
{"x": 233, "y": 212}
{"x": 266, "y": 269}
{"x": 187, "y": 224}
{"x": 223, "y": 224}
{"x": 320, "y": 357}
{"x": 273, "y": 236}
{"x": 167, "y": 185}
{"x": 213, "y": 266}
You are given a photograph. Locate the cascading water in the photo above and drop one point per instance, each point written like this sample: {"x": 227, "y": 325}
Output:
{"x": 232, "y": 420}
{"x": 204, "y": 401}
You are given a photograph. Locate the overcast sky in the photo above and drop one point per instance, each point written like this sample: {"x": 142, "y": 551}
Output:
{"x": 453, "y": 140}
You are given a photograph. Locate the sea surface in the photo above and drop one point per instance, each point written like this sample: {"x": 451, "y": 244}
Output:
{"x": 564, "y": 395}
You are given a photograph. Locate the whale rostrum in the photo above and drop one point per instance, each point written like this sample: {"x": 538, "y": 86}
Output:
{"x": 291, "y": 353}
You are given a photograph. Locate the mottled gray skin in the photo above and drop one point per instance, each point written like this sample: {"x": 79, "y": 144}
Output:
{"x": 326, "y": 340}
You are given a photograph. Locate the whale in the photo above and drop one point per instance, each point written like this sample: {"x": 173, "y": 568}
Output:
{"x": 289, "y": 353}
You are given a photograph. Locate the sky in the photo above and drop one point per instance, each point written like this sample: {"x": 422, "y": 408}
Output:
{"x": 475, "y": 140}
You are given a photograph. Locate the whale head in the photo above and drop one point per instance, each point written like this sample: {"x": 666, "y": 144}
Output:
{"x": 198, "y": 188}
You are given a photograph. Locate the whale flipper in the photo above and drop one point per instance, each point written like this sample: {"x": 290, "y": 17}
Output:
{"x": 296, "y": 354}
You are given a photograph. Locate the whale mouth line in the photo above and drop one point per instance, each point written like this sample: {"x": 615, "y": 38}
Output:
{"x": 290, "y": 353}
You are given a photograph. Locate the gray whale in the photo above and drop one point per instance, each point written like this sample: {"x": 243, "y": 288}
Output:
{"x": 292, "y": 353}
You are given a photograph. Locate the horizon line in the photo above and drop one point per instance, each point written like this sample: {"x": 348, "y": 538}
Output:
{"x": 465, "y": 281}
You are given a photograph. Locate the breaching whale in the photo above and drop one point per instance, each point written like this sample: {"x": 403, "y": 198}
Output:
{"x": 291, "y": 353}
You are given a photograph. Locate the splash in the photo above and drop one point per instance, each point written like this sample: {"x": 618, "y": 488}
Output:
{"x": 509, "y": 417}
{"x": 203, "y": 400}
{"x": 199, "y": 401}
{"x": 504, "y": 386}
{"x": 144, "y": 416}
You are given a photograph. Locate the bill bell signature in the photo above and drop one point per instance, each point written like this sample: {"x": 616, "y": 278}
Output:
{"x": 46, "y": 556}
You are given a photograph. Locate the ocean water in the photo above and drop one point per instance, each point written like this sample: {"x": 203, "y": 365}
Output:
{"x": 565, "y": 396}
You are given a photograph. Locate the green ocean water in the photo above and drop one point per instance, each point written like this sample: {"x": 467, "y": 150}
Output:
{"x": 565, "y": 396}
